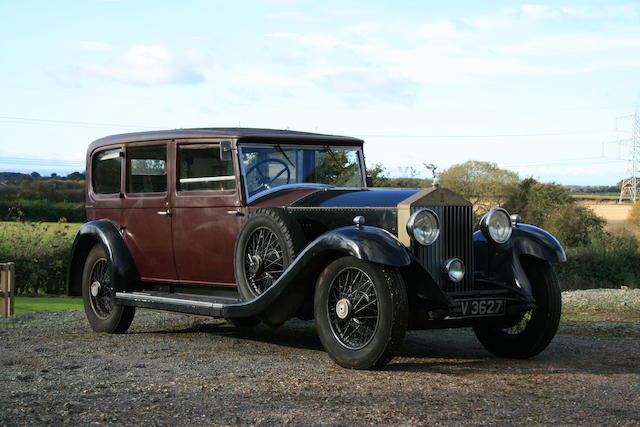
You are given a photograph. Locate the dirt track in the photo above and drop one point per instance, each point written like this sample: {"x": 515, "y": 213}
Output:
{"x": 173, "y": 369}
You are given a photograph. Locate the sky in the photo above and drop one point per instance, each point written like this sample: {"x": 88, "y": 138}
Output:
{"x": 541, "y": 88}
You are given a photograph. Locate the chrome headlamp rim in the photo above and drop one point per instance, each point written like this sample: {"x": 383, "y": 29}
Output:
{"x": 485, "y": 221}
{"x": 448, "y": 269}
{"x": 412, "y": 221}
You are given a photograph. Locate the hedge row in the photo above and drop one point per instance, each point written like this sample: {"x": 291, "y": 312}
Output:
{"x": 610, "y": 261}
{"x": 41, "y": 210}
{"x": 40, "y": 253}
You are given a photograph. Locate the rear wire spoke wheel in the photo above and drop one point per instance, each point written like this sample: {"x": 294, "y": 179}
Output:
{"x": 100, "y": 289}
{"x": 264, "y": 259}
{"x": 268, "y": 242}
{"x": 361, "y": 312}
{"x": 97, "y": 294}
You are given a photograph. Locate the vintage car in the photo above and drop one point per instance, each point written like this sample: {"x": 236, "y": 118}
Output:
{"x": 264, "y": 225}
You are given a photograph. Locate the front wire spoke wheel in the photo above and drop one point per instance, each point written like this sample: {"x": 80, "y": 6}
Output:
{"x": 352, "y": 308}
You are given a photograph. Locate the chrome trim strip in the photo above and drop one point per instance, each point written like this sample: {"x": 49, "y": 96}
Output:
{"x": 178, "y": 301}
{"x": 208, "y": 179}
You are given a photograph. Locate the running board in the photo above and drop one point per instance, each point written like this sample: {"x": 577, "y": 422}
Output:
{"x": 181, "y": 305}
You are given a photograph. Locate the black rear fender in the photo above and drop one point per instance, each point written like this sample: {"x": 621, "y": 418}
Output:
{"x": 102, "y": 232}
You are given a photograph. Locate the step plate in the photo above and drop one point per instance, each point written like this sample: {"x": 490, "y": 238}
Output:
{"x": 181, "y": 305}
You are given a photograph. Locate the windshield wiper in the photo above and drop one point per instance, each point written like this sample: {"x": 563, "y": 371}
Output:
{"x": 333, "y": 156}
{"x": 281, "y": 151}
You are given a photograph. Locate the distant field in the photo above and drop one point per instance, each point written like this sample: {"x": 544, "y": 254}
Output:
{"x": 614, "y": 213}
{"x": 600, "y": 196}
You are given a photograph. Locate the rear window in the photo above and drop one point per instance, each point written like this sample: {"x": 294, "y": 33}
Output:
{"x": 202, "y": 169}
{"x": 106, "y": 172}
{"x": 147, "y": 172}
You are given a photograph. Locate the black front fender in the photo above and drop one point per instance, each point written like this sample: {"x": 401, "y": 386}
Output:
{"x": 367, "y": 243}
{"x": 502, "y": 262}
{"x": 104, "y": 232}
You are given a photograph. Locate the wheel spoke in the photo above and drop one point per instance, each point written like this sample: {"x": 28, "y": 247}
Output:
{"x": 358, "y": 327}
{"x": 101, "y": 303}
{"x": 264, "y": 261}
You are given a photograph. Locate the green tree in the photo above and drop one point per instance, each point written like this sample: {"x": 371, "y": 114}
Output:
{"x": 484, "y": 184}
{"x": 633, "y": 219}
{"x": 379, "y": 176}
{"x": 574, "y": 225}
{"x": 544, "y": 200}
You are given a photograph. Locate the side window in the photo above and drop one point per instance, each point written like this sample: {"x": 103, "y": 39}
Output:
{"x": 202, "y": 169}
{"x": 105, "y": 172}
{"x": 147, "y": 169}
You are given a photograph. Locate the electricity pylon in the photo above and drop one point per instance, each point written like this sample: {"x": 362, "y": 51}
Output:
{"x": 629, "y": 188}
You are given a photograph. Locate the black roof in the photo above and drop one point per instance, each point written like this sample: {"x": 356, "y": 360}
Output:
{"x": 253, "y": 134}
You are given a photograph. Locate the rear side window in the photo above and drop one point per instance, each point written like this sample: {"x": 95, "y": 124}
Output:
{"x": 105, "y": 172}
{"x": 146, "y": 169}
{"x": 202, "y": 169}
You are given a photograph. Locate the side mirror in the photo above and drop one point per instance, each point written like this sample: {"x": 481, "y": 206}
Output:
{"x": 369, "y": 181}
{"x": 225, "y": 150}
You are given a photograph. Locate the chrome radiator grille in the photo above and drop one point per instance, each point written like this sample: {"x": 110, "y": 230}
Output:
{"x": 455, "y": 241}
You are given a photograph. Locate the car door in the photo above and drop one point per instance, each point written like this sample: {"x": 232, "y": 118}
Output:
{"x": 147, "y": 216}
{"x": 206, "y": 208}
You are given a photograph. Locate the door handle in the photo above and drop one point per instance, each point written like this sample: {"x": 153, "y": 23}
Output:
{"x": 235, "y": 212}
{"x": 165, "y": 213}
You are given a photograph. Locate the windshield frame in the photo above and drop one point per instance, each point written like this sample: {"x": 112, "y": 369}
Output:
{"x": 285, "y": 145}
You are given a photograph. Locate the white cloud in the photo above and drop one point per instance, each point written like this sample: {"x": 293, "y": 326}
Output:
{"x": 572, "y": 43}
{"x": 392, "y": 60}
{"x": 153, "y": 64}
{"x": 538, "y": 11}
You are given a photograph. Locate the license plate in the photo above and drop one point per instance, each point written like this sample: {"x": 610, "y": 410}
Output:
{"x": 482, "y": 307}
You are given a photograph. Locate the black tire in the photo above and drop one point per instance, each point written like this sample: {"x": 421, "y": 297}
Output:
{"x": 365, "y": 346}
{"x": 290, "y": 240}
{"x": 102, "y": 314}
{"x": 533, "y": 333}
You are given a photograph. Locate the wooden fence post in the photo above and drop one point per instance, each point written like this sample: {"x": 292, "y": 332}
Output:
{"x": 7, "y": 270}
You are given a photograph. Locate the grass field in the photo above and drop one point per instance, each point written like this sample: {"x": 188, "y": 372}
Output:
{"x": 51, "y": 227}
{"x": 38, "y": 304}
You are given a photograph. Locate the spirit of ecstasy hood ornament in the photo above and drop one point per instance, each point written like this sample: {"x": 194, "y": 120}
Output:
{"x": 432, "y": 168}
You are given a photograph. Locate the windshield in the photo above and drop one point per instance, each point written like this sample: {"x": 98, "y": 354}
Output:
{"x": 269, "y": 166}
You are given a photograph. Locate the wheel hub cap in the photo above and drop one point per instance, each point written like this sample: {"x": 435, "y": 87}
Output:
{"x": 95, "y": 288}
{"x": 255, "y": 262}
{"x": 343, "y": 308}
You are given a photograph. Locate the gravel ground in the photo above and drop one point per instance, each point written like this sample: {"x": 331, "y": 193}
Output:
{"x": 173, "y": 369}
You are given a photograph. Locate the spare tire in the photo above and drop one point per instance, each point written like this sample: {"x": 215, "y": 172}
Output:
{"x": 268, "y": 242}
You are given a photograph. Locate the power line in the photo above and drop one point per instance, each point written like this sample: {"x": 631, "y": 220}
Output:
{"x": 559, "y": 162}
{"x": 70, "y": 123}
{"x": 33, "y": 161}
{"x": 514, "y": 135}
